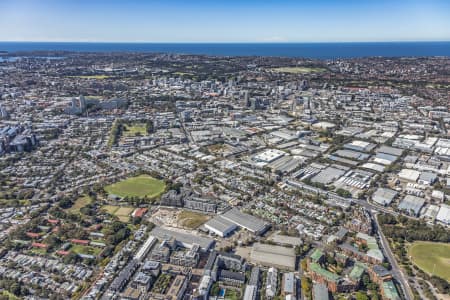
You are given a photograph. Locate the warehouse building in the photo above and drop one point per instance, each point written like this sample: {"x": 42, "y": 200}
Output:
{"x": 427, "y": 178}
{"x": 329, "y": 174}
{"x": 443, "y": 215}
{"x": 246, "y": 221}
{"x": 384, "y": 196}
{"x": 360, "y": 146}
{"x": 185, "y": 240}
{"x": 409, "y": 175}
{"x": 390, "y": 150}
{"x": 412, "y": 204}
{"x": 220, "y": 226}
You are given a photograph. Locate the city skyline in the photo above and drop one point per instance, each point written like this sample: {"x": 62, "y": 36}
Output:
{"x": 224, "y": 21}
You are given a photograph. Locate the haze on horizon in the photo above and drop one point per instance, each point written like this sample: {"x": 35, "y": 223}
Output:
{"x": 224, "y": 21}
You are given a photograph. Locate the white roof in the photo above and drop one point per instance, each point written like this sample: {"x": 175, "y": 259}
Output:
{"x": 444, "y": 214}
{"x": 361, "y": 144}
{"x": 408, "y": 174}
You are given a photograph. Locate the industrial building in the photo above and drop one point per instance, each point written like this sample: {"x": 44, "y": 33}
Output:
{"x": 246, "y": 221}
{"x": 185, "y": 240}
{"x": 384, "y": 196}
{"x": 443, "y": 215}
{"x": 220, "y": 226}
{"x": 411, "y": 204}
{"x": 409, "y": 175}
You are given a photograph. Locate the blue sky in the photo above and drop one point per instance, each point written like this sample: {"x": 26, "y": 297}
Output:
{"x": 224, "y": 21}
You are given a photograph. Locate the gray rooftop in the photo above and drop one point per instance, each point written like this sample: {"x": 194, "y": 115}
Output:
{"x": 390, "y": 150}
{"x": 320, "y": 292}
{"x": 246, "y": 221}
{"x": 384, "y": 196}
{"x": 412, "y": 203}
{"x": 185, "y": 238}
{"x": 221, "y": 224}
{"x": 328, "y": 175}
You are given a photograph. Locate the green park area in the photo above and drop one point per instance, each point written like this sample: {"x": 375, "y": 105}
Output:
{"x": 79, "y": 203}
{"x": 89, "y": 250}
{"x": 433, "y": 258}
{"x": 139, "y": 186}
{"x": 191, "y": 219}
{"x": 135, "y": 129}
{"x": 298, "y": 70}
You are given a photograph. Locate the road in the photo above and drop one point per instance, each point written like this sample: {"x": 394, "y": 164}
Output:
{"x": 396, "y": 271}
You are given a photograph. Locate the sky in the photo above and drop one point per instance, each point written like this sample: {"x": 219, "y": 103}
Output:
{"x": 224, "y": 21}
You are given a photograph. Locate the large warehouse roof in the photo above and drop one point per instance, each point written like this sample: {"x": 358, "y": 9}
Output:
{"x": 186, "y": 239}
{"x": 220, "y": 225}
{"x": 412, "y": 204}
{"x": 249, "y": 222}
{"x": 384, "y": 196}
{"x": 444, "y": 214}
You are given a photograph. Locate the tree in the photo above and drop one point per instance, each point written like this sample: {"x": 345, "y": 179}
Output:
{"x": 361, "y": 296}
{"x": 15, "y": 289}
{"x": 306, "y": 286}
{"x": 331, "y": 260}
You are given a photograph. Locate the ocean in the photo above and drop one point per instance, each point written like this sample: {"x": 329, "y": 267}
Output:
{"x": 307, "y": 50}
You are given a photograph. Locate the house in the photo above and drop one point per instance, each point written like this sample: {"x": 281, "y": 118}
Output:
{"x": 80, "y": 242}
{"x": 139, "y": 212}
{"x": 39, "y": 245}
{"x": 33, "y": 235}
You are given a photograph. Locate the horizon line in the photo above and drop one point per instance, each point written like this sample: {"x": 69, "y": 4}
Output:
{"x": 230, "y": 42}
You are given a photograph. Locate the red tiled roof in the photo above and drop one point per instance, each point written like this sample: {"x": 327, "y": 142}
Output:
{"x": 139, "y": 212}
{"x": 32, "y": 235}
{"x": 81, "y": 242}
{"x": 39, "y": 245}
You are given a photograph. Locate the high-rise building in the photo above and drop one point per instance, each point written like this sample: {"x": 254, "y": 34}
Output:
{"x": 82, "y": 101}
{"x": 3, "y": 113}
{"x": 246, "y": 99}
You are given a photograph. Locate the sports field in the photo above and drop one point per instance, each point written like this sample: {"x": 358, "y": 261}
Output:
{"x": 139, "y": 186}
{"x": 80, "y": 249}
{"x": 135, "y": 129}
{"x": 122, "y": 212}
{"x": 433, "y": 258}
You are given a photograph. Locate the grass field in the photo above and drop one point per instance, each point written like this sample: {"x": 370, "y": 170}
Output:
{"x": 10, "y": 295}
{"x": 79, "y": 203}
{"x": 191, "y": 219}
{"x": 139, "y": 186}
{"x": 433, "y": 258}
{"x": 232, "y": 294}
{"x": 122, "y": 212}
{"x": 135, "y": 129}
{"x": 298, "y": 70}
{"x": 80, "y": 249}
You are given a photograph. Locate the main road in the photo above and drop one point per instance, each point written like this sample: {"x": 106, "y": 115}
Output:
{"x": 396, "y": 271}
